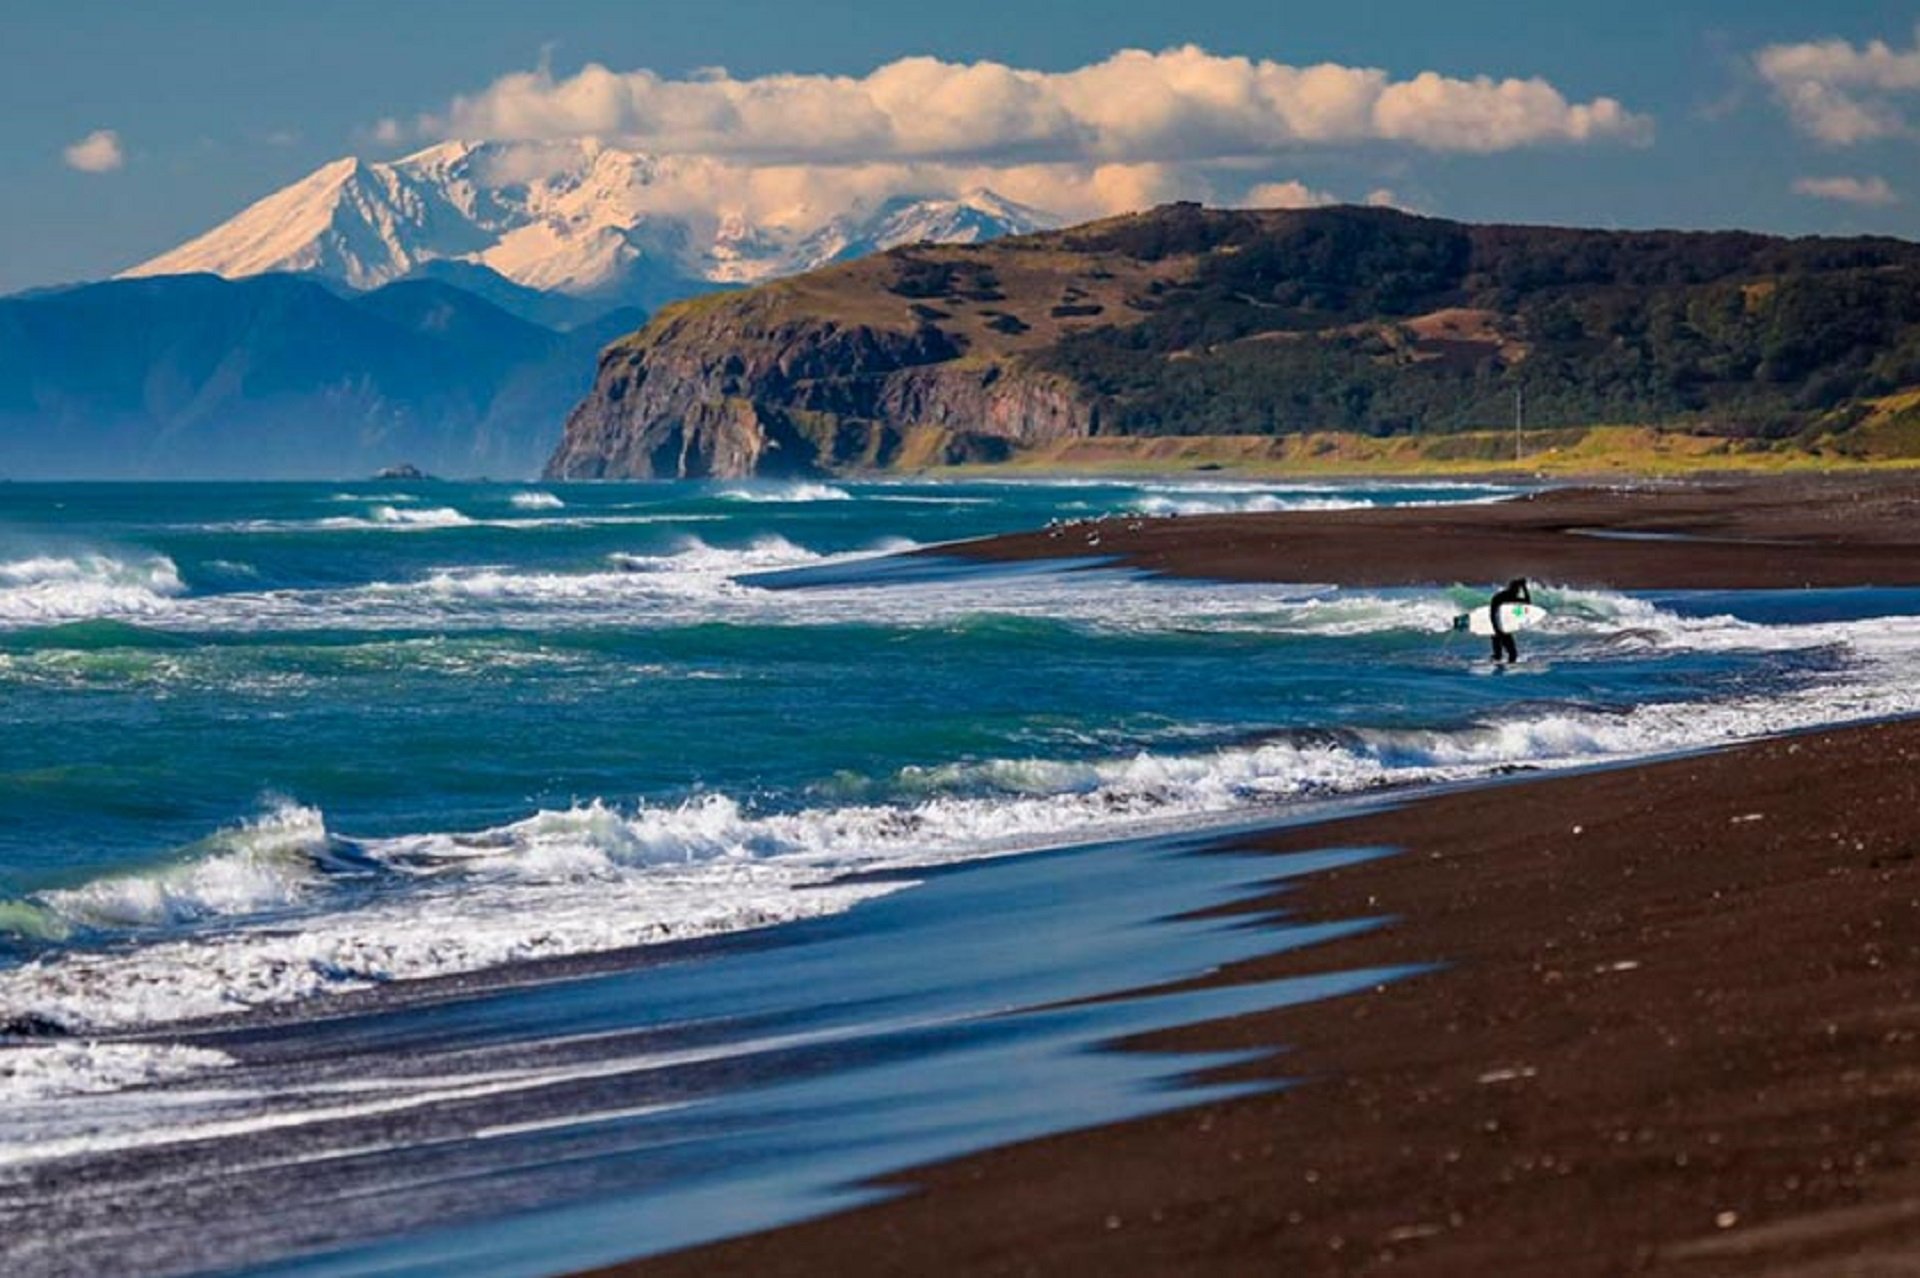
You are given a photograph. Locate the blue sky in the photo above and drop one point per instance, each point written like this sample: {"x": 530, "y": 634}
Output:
{"x": 212, "y": 105}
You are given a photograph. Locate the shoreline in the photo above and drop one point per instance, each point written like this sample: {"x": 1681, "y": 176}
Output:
{"x": 1782, "y": 533}
{"x": 1673, "y": 1007}
{"x": 579, "y": 1066}
{"x": 1672, "y": 1029}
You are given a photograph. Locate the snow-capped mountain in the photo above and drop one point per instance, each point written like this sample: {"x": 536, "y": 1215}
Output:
{"x": 578, "y": 218}
{"x": 973, "y": 218}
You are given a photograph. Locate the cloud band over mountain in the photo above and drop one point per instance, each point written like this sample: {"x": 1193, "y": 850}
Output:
{"x": 1179, "y": 105}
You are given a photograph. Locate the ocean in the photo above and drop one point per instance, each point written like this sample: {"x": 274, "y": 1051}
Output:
{"x": 407, "y": 875}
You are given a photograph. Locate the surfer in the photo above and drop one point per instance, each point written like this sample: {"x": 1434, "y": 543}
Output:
{"x": 1504, "y": 648}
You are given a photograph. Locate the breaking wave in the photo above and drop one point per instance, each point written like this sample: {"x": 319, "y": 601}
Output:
{"x": 691, "y": 554}
{"x": 601, "y": 876}
{"x": 798, "y": 491}
{"x": 537, "y": 501}
{"x": 266, "y": 864}
{"x": 695, "y": 581}
{"x": 51, "y": 588}
{"x": 1238, "y": 503}
{"x": 426, "y": 517}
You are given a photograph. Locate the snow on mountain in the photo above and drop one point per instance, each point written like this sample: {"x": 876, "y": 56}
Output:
{"x": 579, "y": 218}
{"x": 973, "y": 218}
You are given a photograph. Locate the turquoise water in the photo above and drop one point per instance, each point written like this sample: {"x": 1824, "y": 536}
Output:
{"x": 263, "y": 746}
{"x": 225, "y": 704}
{"x": 446, "y": 657}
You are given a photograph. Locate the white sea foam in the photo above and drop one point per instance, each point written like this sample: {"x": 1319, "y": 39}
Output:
{"x": 537, "y": 501}
{"x": 599, "y": 876}
{"x": 483, "y": 921}
{"x": 796, "y": 491}
{"x": 426, "y": 517}
{"x": 265, "y": 864}
{"x": 265, "y": 919}
{"x": 48, "y": 1126}
{"x": 389, "y": 519}
{"x": 1239, "y": 503}
{"x": 691, "y": 554}
{"x": 1225, "y": 497}
{"x": 699, "y": 582}
{"x": 381, "y": 518}
{"x": 695, "y": 571}
{"x": 47, "y": 588}
{"x": 40, "y": 1072}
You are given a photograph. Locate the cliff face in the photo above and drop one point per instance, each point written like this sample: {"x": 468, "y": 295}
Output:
{"x": 1188, "y": 321}
{"x": 732, "y": 387}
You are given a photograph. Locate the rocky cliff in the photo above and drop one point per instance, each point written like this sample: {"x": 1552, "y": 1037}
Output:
{"x": 748, "y": 384}
{"x": 1186, "y": 321}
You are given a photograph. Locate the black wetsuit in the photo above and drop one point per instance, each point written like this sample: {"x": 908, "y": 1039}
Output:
{"x": 1504, "y": 648}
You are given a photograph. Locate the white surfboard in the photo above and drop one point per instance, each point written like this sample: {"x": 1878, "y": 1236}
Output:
{"x": 1513, "y": 616}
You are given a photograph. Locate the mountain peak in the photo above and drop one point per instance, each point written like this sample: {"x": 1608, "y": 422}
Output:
{"x": 580, "y": 217}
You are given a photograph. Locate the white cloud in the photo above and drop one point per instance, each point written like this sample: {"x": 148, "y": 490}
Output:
{"x": 1181, "y": 105}
{"x": 1847, "y": 190}
{"x": 98, "y": 152}
{"x": 1385, "y": 197}
{"x": 1078, "y": 191}
{"x": 1286, "y": 195}
{"x": 1443, "y": 114}
{"x": 1842, "y": 93}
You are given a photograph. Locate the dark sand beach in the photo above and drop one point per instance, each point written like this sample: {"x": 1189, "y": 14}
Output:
{"x": 1735, "y": 534}
{"x": 1673, "y": 1020}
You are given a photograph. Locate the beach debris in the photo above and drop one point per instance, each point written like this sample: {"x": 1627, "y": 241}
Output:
{"x": 1746, "y": 817}
{"x": 1726, "y": 1220}
{"x": 1509, "y": 1074}
{"x": 1624, "y": 965}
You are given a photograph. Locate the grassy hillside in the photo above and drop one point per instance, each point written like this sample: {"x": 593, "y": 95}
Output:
{"x": 1369, "y": 321}
{"x": 1342, "y": 322}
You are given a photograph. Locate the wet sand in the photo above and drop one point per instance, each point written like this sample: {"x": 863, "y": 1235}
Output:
{"x": 1677, "y": 1030}
{"x": 1735, "y": 535}
{"x": 1675, "y": 1022}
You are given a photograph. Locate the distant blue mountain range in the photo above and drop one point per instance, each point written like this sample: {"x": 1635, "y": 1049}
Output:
{"x": 281, "y": 376}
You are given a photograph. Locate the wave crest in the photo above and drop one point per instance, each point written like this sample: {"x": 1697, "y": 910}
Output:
{"x": 269, "y": 863}
{"x": 46, "y": 588}
{"x": 425, "y": 517}
{"x": 795, "y": 492}
{"x": 599, "y": 876}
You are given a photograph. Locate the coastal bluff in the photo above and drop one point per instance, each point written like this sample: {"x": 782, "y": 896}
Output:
{"x": 1192, "y": 322}
{"x": 734, "y": 387}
